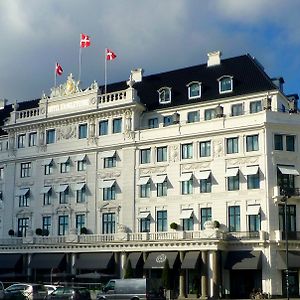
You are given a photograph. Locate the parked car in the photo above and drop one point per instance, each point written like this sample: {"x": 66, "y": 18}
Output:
{"x": 51, "y": 288}
{"x": 70, "y": 293}
{"x": 1, "y": 291}
{"x": 28, "y": 291}
{"x": 135, "y": 288}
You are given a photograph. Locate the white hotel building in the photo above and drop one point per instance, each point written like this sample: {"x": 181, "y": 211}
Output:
{"x": 92, "y": 180}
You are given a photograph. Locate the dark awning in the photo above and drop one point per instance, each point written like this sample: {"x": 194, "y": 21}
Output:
{"x": 243, "y": 260}
{"x": 93, "y": 261}
{"x": 156, "y": 260}
{"x": 9, "y": 261}
{"x": 134, "y": 258}
{"x": 294, "y": 260}
{"x": 46, "y": 261}
{"x": 190, "y": 260}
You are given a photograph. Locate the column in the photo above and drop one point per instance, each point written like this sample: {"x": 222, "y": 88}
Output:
{"x": 72, "y": 264}
{"x": 204, "y": 279}
{"x": 215, "y": 275}
{"x": 123, "y": 264}
{"x": 181, "y": 278}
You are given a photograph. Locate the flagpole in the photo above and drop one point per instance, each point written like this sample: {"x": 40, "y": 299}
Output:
{"x": 105, "y": 71}
{"x": 55, "y": 76}
{"x": 80, "y": 60}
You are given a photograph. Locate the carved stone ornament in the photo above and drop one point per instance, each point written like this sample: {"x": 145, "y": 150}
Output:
{"x": 174, "y": 153}
{"x": 196, "y": 166}
{"x": 156, "y": 170}
{"x": 66, "y": 132}
{"x": 122, "y": 228}
{"x": 242, "y": 160}
{"x": 109, "y": 175}
{"x": 218, "y": 148}
{"x": 70, "y": 87}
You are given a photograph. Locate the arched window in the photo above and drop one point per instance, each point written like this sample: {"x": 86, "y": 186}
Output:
{"x": 194, "y": 89}
{"x": 225, "y": 84}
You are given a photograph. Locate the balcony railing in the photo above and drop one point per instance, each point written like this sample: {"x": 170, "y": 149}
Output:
{"x": 243, "y": 235}
{"x": 291, "y": 235}
{"x": 289, "y": 191}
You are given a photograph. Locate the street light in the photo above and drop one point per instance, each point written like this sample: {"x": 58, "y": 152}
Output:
{"x": 285, "y": 199}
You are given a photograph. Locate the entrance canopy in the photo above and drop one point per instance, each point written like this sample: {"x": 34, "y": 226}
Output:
{"x": 156, "y": 260}
{"x": 93, "y": 261}
{"x": 191, "y": 260}
{"x": 134, "y": 258}
{"x": 293, "y": 258}
{"x": 243, "y": 260}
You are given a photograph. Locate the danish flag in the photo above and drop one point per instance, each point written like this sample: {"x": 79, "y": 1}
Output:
{"x": 58, "y": 69}
{"x": 84, "y": 41}
{"x": 110, "y": 55}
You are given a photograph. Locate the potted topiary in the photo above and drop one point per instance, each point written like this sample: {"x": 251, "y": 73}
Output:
{"x": 174, "y": 226}
{"x": 216, "y": 224}
{"x": 83, "y": 230}
{"x": 11, "y": 232}
{"x": 39, "y": 231}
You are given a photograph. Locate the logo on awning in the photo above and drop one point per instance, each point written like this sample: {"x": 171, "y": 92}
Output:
{"x": 161, "y": 258}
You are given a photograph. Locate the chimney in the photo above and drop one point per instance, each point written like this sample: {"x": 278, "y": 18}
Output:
{"x": 278, "y": 81}
{"x": 3, "y": 103}
{"x": 137, "y": 74}
{"x": 214, "y": 58}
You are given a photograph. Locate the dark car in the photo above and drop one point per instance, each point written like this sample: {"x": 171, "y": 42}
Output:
{"x": 28, "y": 291}
{"x": 70, "y": 293}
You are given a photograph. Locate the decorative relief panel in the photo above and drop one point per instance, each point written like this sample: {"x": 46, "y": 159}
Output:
{"x": 64, "y": 180}
{"x": 66, "y": 132}
{"x": 154, "y": 170}
{"x": 174, "y": 153}
{"x": 196, "y": 166}
{"x": 25, "y": 183}
{"x": 242, "y": 160}
{"x": 218, "y": 148}
{"x": 109, "y": 174}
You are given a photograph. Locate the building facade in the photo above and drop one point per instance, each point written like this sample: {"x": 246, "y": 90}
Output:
{"x": 196, "y": 166}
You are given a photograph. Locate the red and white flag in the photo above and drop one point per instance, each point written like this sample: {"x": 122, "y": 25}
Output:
{"x": 110, "y": 55}
{"x": 58, "y": 69}
{"x": 84, "y": 41}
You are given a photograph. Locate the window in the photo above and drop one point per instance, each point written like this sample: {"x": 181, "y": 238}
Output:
{"x": 164, "y": 95}
{"x": 48, "y": 168}
{"x": 278, "y": 142}
{"x": 109, "y": 193}
{"x": 24, "y": 199}
{"x": 162, "y": 220}
{"x": 205, "y": 149}
{"x": 161, "y": 154}
{"x": 47, "y": 196}
{"x": 255, "y": 107}
{"x": 108, "y": 223}
{"x": 252, "y": 143}
{"x": 253, "y": 181}
{"x": 117, "y": 125}
{"x": 194, "y": 90}
{"x": 162, "y": 188}
{"x": 232, "y": 145}
{"x": 153, "y": 123}
{"x": 81, "y": 164}
{"x": 21, "y": 141}
{"x": 209, "y": 114}
{"x": 187, "y": 151}
{"x": 205, "y": 185}
{"x": 50, "y": 136}
{"x": 25, "y": 170}
{"x": 145, "y": 156}
{"x": 188, "y": 224}
{"x": 145, "y": 224}
{"x": 46, "y": 224}
{"x": 205, "y": 216}
{"x": 1, "y": 173}
{"x": 237, "y": 110}
{"x": 23, "y": 224}
{"x": 81, "y": 193}
{"x": 32, "y": 139}
{"x": 286, "y": 181}
{"x": 80, "y": 222}
{"x": 291, "y": 218}
{"x": 63, "y": 225}
{"x": 290, "y": 143}
{"x": 225, "y": 84}
{"x": 254, "y": 223}
{"x": 234, "y": 218}
{"x": 65, "y": 166}
{"x": 145, "y": 190}
{"x": 193, "y": 116}
{"x": 110, "y": 162}
{"x": 103, "y": 127}
{"x": 168, "y": 120}
{"x": 82, "y": 131}
{"x": 64, "y": 195}
{"x": 233, "y": 183}
{"x": 187, "y": 187}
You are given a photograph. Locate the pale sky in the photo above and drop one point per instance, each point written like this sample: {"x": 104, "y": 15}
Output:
{"x": 156, "y": 35}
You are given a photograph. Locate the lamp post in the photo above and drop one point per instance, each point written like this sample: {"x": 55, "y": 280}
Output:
{"x": 284, "y": 199}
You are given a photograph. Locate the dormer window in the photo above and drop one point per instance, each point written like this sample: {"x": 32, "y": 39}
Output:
{"x": 164, "y": 95}
{"x": 194, "y": 89}
{"x": 225, "y": 84}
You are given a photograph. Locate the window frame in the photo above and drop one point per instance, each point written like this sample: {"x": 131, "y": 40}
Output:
{"x": 205, "y": 148}
{"x": 193, "y": 116}
{"x": 145, "y": 156}
{"x": 162, "y": 154}
{"x": 109, "y": 193}
{"x": 63, "y": 225}
{"x": 252, "y": 142}
{"x": 25, "y": 170}
{"x": 161, "y": 220}
{"x": 232, "y": 145}
{"x": 103, "y": 127}
{"x": 117, "y": 125}
{"x": 190, "y": 89}
{"x": 164, "y": 95}
{"x": 234, "y": 218}
{"x": 187, "y": 187}
{"x": 82, "y": 131}
{"x": 153, "y": 123}
{"x": 205, "y": 215}
{"x": 187, "y": 151}
{"x": 50, "y": 136}
{"x": 237, "y": 109}
{"x": 108, "y": 223}
{"x": 225, "y": 84}
{"x": 255, "y": 106}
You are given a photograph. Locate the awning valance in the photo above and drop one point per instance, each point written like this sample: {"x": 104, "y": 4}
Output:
{"x": 159, "y": 178}
{"x": 135, "y": 258}
{"x": 288, "y": 170}
{"x": 186, "y": 213}
{"x": 22, "y": 192}
{"x": 144, "y": 215}
{"x": 202, "y": 174}
{"x": 63, "y": 160}
{"x": 231, "y": 172}
{"x": 143, "y": 180}
{"x": 62, "y": 188}
{"x": 293, "y": 261}
{"x": 106, "y": 184}
{"x": 47, "y": 161}
{"x": 185, "y": 176}
{"x": 253, "y": 209}
{"x": 46, "y": 189}
{"x": 156, "y": 260}
{"x": 191, "y": 260}
{"x": 46, "y": 261}
{"x": 251, "y": 170}
{"x": 243, "y": 260}
{"x": 93, "y": 261}
{"x": 79, "y": 186}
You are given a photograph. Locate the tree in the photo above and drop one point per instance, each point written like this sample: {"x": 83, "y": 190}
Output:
{"x": 129, "y": 271}
{"x": 166, "y": 275}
